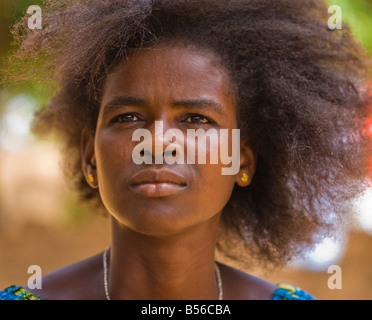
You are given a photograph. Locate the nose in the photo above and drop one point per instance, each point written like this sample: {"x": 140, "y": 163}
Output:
{"x": 167, "y": 143}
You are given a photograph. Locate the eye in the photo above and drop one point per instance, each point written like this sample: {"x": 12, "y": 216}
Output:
{"x": 127, "y": 117}
{"x": 197, "y": 119}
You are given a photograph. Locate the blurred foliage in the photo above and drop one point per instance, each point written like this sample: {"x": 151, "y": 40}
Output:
{"x": 358, "y": 13}
{"x": 10, "y": 12}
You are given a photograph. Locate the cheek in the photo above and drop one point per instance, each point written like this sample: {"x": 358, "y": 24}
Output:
{"x": 113, "y": 155}
{"x": 213, "y": 188}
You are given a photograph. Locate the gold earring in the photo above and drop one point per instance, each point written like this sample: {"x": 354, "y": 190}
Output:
{"x": 244, "y": 178}
{"x": 90, "y": 178}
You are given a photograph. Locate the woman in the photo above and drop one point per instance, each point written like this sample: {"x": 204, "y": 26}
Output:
{"x": 271, "y": 69}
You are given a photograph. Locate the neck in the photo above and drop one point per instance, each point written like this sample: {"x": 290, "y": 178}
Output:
{"x": 178, "y": 266}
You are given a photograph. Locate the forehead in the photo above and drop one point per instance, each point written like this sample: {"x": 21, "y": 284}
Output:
{"x": 169, "y": 72}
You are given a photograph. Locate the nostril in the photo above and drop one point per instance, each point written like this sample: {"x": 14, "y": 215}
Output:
{"x": 171, "y": 153}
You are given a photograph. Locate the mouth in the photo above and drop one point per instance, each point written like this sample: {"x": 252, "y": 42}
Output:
{"x": 157, "y": 189}
{"x": 157, "y": 183}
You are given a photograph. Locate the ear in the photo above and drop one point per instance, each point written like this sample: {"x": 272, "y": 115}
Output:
{"x": 248, "y": 160}
{"x": 88, "y": 159}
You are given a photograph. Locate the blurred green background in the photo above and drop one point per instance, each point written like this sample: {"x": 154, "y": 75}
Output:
{"x": 41, "y": 222}
{"x": 358, "y": 13}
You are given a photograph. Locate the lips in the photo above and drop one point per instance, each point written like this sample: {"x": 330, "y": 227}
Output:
{"x": 157, "y": 183}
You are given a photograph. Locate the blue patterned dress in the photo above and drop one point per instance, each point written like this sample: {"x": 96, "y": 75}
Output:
{"x": 283, "y": 291}
{"x": 17, "y": 293}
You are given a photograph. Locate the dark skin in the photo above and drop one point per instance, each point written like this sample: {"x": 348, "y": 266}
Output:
{"x": 162, "y": 246}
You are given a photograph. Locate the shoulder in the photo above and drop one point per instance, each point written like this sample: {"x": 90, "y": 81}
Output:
{"x": 239, "y": 285}
{"x": 73, "y": 282}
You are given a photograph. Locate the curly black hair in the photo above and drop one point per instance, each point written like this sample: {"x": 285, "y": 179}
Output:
{"x": 299, "y": 97}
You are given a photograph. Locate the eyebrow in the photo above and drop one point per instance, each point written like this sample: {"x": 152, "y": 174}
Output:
{"x": 201, "y": 103}
{"x": 124, "y": 101}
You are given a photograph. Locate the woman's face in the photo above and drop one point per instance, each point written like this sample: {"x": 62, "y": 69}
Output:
{"x": 185, "y": 90}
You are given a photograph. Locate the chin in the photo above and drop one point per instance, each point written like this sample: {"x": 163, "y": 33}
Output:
{"x": 157, "y": 222}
